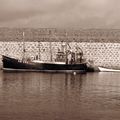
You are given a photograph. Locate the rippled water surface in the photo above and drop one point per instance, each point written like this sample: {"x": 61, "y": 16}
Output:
{"x": 42, "y": 96}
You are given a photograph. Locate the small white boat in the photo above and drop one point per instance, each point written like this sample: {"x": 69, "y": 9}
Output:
{"x": 102, "y": 69}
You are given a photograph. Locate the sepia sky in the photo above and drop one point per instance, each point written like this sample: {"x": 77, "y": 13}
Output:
{"x": 60, "y": 13}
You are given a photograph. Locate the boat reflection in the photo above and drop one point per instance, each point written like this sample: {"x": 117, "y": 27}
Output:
{"x": 67, "y": 96}
{"x": 37, "y": 82}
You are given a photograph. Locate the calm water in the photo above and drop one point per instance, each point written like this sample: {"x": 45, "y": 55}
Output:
{"x": 41, "y": 96}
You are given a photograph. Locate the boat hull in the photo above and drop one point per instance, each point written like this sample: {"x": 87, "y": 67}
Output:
{"x": 103, "y": 69}
{"x": 11, "y": 64}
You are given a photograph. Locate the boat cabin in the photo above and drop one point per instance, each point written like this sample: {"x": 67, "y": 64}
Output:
{"x": 69, "y": 57}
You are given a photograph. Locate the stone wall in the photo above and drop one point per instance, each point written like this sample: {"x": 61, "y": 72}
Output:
{"x": 102, "y": 54}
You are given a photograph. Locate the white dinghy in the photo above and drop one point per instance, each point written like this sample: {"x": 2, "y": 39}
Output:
{"x": 102, "y": 69}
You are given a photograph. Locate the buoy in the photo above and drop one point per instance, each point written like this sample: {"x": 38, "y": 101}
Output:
{"x": 74, "y": 73}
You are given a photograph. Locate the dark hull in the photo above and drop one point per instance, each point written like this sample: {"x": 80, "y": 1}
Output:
{"x": 12, "y": 64}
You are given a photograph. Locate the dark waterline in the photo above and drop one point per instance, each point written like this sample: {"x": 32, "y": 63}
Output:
{"x": 42, "y": 96}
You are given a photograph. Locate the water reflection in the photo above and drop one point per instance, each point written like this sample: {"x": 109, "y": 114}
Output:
{"x": 73, "y": 81}
{"x": 59, "y": 96}
{"x": 37, "y": 83}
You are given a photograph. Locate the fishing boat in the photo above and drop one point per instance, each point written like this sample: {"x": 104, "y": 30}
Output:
{"x": 69, "y": 62}
{"x": 65, "y": 61}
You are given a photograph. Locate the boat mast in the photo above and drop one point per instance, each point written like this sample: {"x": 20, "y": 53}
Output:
{"x": 39, "y": 56}
{"x": 23, "y": 34}
{"x": 50, "y": 43}
{"x": 66, "y": 56}
{"x": 51, "y": 52}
